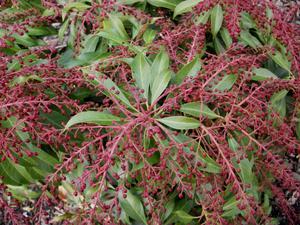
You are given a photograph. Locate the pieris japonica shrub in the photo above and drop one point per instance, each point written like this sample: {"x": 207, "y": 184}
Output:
{"x": 148, "y": 112}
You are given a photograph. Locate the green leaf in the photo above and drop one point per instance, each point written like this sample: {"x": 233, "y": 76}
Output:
{"x": 181, "y": 205}
{"x": 159, "y": 65}
{"x": 109, "y": 85}
{"x": 114, "y": 30}
{"x": 24, "y": 79}
{"x": 218, "y": 46}
{"x": 203, "y": 18}
{"x": 40, "y": 31}
{"x": 141, "y": 73}
{"x": 233, "y": 145}
{"x": 263, "y": 74}
{"x": 118, "y": 27}
{"x": 281, "y": 60}
{"x": 112, "y": 37}
{"x": 149, "y": 36}
{"x": 63, "y": 29}
{"x": 160, "y": 84}
{"x": 180, "y": 122}
{"x": 169, "y": 206}
{"x": 184, "y": 217}
{"x": 79, "y": 6}
{"x": 133, "y": 207}
{"x": 26, "y": 40}
{"x": 226, "y": 83}
{"x": 226, "y": 37}
{"x": 230, "y": 208}
{"x": 246, "y": 21}
{"x": 14, "y": 174}
{"x": 185, "y": 6}
{"x": 169, "y": 4}
{"x": 298, "y": 125}
{"x": 211, "y": 165}
{"x": 197, "y": 108}
{"x": 216, "y": 19}
{"x": 246, "y": 173}
{"x": 90, "y": 43}
{"x": 278, "y": 102}
{"x": 43, "y": 161}
{"x": 22, "y": 193}
{"x": 99, "y": 118}
{"x": 249, "y": 39}
{"x": 191, "y": 69}
{"x": 129, "y": 2}
{"x": 278, "y": 96}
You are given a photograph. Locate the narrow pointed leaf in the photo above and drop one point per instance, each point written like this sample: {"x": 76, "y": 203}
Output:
{"x": 203, "y": 18}
{"x": 160, "y": 84}
{"x": 226, "y": 37}
{"x": 14, "y": 174}
{"x": 249, "y": 39}
{"x": 99, "y": 118}
{"x": 263, "y": 74}
{"x": 159, "y": 65}
{"x": 180, "y": 122}
{"x": 185, "y": 6}
{"x": 109, "y": 85}
{"x": 184, "y": 217}
{"x": 169, "y": 4}
{"x": 281, "y": 60}
{"x": 216, "y": 18}
{"x": 118, "y": 27}
{"x": 226, "y": 83}
{"x": 197, "y": 108}
{"x": 141, "y": 73}
{"x": 190, "y": 69}
{"x": 133, "y": 207}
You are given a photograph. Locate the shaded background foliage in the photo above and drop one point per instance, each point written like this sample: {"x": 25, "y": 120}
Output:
{"x": 148, "y": 112}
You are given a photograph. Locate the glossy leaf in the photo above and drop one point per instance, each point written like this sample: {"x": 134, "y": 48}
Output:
{"x": 118, "y": 27}
{"x": 226, "y": 37}
{"x": 169, "y": 206}
{"x": 141, "y": 73}
{"x": 298, "y": 126}
{"x": 43, "y": 162}
{"x": 180, "y": 122}
{"x": 133, "y": 207}
{"x": 197, "y": 108}
{"x": 281, "y": 60}
{"x": 203, "y": 18}
{"x": 278, "y": 102}
{"x": 21, "y": 80}
{"x": 169, "y": 4}
{"x": 185, "y": 6}
{"x": 14, "y": 174}
{"x": 211, "y": 166}
{"x": 263, "y": 74}
{"x": 218, "y": 46}
{"x": 159, "y": 65}
{"x": 250, "y": 40}
{"x": 94, "y": 117}
{"x": 226, "y": 83}
{"x": 79, "y": 6}
{"x": 184, "y": 217}
{"x": 90, "y": 43}
{"x": 230, "y": 208}
{"x": 129, "y": 2}
{"x": 149, "y": 36}
{"x": 109, "y": 84}
{"x": 216, "y": 18}
{"x": 190, "y": 69}
{"x": 160, "y": 84}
